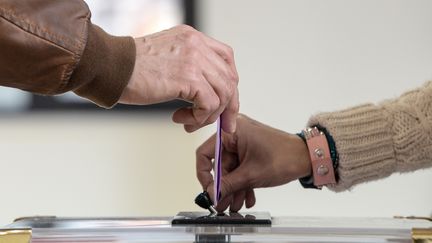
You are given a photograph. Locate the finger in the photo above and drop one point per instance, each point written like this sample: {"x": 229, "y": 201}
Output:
{"x": 212, "y": 118}
{"x": 223, "y": 204}
{"x": 220, "y": 64}
{"x": 250, "y": 198}
{"x": 229, "y": 116}
{"x": 221, "y": 81}
{"x": 229, "y": 142}
{"x": 234, "y": 182}
{"x": 204, "y": 165}
{"x": 206, "y": 101}
{"x": 238, "y": 201}
{"x": 186, "y": 117}
{"x": 217, "y": 76}
{"x": 225, "y": 51}
{"x": 229, "y": 160}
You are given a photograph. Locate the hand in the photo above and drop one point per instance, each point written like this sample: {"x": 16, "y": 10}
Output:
{"x": 254, "y": 156}
{"x": 182, "y": 63}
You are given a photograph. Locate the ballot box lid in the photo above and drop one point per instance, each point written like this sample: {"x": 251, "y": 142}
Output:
{"x": 159, "y": 229}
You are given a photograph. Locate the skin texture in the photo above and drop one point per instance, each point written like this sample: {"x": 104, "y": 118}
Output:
{"x": 182, "y": 63}
{"x": 254, "y": 156}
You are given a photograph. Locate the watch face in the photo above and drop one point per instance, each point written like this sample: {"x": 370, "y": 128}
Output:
{"x": 255, "y": 218}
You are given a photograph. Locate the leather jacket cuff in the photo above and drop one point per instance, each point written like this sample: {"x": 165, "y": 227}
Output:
{"x": 105, "y": 67}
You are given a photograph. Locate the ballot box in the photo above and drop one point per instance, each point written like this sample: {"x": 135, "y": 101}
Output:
{"x": 160, "y": 229}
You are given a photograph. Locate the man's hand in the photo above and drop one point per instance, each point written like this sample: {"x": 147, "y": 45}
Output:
{"x": 254, "y": 156}
{"x": 182, "y": 63}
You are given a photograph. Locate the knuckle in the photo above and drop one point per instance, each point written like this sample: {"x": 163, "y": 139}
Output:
{"x": 235, "y": 78}
{"x": 200, "y": 118}
{"x": 224, "y": 98}
{"x": 185, "y": 27}
{"x": 231, "y": 86}
{"x": 229, "y": 188}
{"x": 198, "y": 152}
{"x": 231, "y": 78}
{"x": 212, "y": 119}
{"x": 230, "y": 51}
{"x": 211, "y": 105}
{"x": 234, "y": 108}
{"x": 228, "y": 91}
{"x": 192, "y": 38}
{"x": 215, "y": 104}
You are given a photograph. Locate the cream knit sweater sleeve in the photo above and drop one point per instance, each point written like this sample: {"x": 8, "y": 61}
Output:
{"x": 374, "y": 141}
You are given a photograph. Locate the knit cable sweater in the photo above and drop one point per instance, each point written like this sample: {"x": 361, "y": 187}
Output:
{"x": 374, "y": 141}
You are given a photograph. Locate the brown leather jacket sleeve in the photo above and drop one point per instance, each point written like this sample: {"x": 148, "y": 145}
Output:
{"x": 50, "y": 47}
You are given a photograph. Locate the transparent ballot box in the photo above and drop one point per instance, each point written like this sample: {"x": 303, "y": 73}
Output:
{"x": 160, "y": 229}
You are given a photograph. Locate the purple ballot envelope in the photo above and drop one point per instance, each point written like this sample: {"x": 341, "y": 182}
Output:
{"x": 218, "y": 164}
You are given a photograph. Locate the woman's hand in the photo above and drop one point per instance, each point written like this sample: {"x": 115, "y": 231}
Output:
{"x": 254, "y": 156}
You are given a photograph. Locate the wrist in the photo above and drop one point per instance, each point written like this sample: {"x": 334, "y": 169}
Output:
{"x": 128, "y": 95}
{"x": 323, "y": 157}
{"x": 301, "y": 155}
{"x": 97, "y": 76}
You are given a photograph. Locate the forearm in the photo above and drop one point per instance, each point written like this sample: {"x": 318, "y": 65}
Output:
{"x": 51, "y": 47}
{"x": 374, "y": 141}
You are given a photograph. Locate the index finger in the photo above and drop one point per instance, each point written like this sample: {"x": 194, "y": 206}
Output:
{"x": 229, "y": 115}
{"x": 204, "y": 165}
{"x": 223, "y": 50}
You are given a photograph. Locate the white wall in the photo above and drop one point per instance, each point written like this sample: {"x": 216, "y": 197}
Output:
{"x": 95, "y": 165}
{"x": 296, "y": 58}
{"x": 354, "y": 51}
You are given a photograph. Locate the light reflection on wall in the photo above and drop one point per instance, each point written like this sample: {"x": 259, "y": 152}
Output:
{"x": 12, "y": 100}
{"x": 136, "y": 17}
